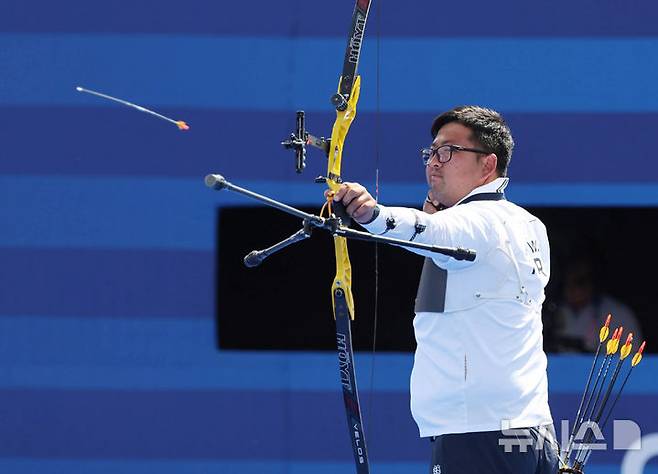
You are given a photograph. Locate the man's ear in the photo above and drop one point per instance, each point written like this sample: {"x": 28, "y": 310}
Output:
{"x": 490, "y": 164}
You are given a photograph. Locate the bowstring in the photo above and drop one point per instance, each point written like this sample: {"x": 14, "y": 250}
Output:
{"x": 377, "y": 156}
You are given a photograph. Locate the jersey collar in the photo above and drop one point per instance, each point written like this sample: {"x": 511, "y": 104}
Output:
{"x": 492, "y": 191}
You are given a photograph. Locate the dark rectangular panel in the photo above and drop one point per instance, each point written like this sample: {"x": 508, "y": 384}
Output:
{"x": 285, "y": 303}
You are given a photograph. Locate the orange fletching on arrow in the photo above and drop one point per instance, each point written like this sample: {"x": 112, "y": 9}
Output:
{"x": 182, "y": 125}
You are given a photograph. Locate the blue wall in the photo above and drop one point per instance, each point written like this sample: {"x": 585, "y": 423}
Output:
{"x": 107, "y": 356}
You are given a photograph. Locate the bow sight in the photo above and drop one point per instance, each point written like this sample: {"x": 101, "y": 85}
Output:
{"x": 300, "y": 137}
{"x": 298, "y": 141}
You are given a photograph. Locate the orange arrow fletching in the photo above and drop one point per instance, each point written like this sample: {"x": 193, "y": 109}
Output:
{"x": 638, "y": 356}
{"x": 182, "y": 125}
{"x": 626, "y": 349}
{"x": 605, "y": 329}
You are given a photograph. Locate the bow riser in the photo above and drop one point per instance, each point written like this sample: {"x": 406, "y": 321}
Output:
{"x": 342, "y": 124}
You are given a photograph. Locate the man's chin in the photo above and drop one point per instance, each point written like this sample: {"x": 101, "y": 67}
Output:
{"x": 438, "y": 187}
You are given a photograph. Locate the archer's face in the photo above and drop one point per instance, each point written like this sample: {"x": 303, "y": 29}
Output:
{"x": 453, "y": 180}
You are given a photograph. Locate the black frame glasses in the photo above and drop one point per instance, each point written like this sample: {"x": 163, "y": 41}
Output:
{"x": 444, "y": 153}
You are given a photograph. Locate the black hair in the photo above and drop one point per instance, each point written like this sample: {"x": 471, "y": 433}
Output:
{"x": 489, "y": 131}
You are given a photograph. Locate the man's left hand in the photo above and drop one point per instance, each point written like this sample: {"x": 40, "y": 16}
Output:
{"x": 359, "y": 203}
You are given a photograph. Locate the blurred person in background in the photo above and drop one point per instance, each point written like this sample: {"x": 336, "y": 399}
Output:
{"x": 583, "y": 308}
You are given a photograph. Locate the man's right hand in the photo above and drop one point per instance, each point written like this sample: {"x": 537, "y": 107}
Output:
{"x": 359, "y": 203}
{"x": 430, "y": 205}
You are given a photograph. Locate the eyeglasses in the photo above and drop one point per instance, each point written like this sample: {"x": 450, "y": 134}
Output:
{"x": 444, "y": 153}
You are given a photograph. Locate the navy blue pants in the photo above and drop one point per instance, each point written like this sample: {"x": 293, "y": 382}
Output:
{"x": 519, "y": 451}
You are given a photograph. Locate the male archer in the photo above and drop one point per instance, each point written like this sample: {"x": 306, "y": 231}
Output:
{"x": 479, "y": 387}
